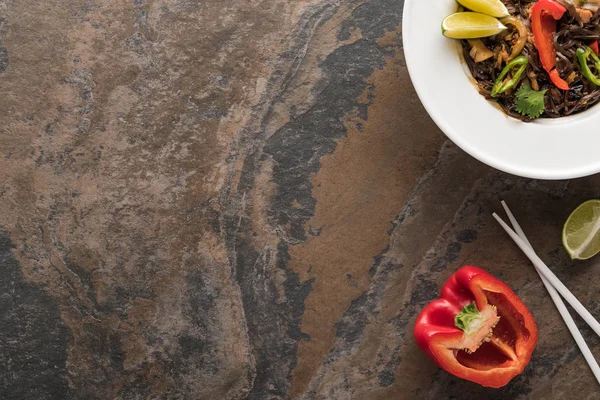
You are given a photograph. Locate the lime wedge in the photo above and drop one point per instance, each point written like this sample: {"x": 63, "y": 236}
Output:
{"x": 581, "y": 236}
{"x": 495, "y": 8}
{"x": 470, "y": 25}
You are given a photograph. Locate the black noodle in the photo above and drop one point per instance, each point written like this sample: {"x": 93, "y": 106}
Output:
{"x": 570, "y": 35}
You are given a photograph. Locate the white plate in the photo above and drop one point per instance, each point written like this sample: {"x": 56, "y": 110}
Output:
{"x": 560, "y": 148}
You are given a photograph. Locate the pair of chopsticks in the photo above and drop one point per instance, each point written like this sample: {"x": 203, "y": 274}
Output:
{"x": 554, "y": 287}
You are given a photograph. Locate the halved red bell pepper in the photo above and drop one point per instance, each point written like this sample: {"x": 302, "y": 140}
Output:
{"x": 544, "y": 15}
{"x": 478, "y": 330}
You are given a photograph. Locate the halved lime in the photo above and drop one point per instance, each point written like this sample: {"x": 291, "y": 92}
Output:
{"x": 470, "y": 25}
{"x": 581, "y": 236}
{"x": 495, "y": 8}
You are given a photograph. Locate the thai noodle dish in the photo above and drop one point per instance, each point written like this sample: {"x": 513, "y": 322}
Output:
{"x": 534, "y": 59}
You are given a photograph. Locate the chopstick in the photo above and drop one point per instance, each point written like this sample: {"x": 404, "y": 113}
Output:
{"x": 549, "y": 275}
{"x": 541, "y": 268}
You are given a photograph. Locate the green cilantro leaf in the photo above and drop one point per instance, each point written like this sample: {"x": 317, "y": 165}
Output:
{"x": 530, "y": 102}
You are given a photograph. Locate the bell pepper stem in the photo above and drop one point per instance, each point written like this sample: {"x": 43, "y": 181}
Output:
{"x": 477, "y": 325}
{"x": 463, "y": 319}
{"x": 500, "y": 86}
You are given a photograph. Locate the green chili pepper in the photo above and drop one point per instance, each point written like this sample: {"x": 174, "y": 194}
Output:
{"x": 500, "y": 86}
{"x": 583, "y": 56}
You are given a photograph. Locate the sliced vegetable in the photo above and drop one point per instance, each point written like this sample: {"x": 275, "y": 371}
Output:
{"x": 470, "y": 25}
{"x": 478, "y": 330}
{"x": 533, "y": 80}
{"x": 583, "y": 57}
{"x": 478, "y": 51}
{"x": 594, "y": 46}
{"x": 518, "y": 23}
{"x": 530, "y": 102}
{"x": 584, "y": 15}
{"x": 544, "y": 15}
{"x": 495, "y": 8}
{"x": 516, "y": 67}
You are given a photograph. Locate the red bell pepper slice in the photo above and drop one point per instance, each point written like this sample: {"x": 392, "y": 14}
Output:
{"x": 594, "y": 46}
{"x": 488, "y": 350}
{"x": 544, "y": 15}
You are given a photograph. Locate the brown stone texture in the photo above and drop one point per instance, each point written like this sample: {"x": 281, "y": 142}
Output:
{"x": 245, "y": 199}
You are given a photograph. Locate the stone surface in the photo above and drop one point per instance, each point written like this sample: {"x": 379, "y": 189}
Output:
{"x": 245, "y": 199}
